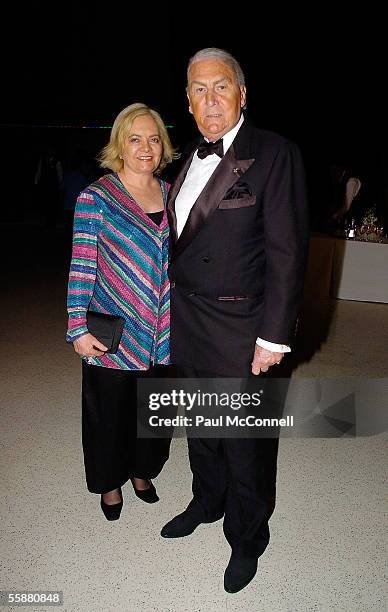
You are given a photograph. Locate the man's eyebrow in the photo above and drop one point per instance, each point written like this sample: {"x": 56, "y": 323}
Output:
{"x": 195, "y": 82}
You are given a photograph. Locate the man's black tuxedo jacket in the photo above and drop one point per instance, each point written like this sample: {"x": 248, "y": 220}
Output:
{"x": 237, "y": 269}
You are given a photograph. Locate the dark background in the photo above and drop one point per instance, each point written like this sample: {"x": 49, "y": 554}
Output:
{"x": 316, "y": 77}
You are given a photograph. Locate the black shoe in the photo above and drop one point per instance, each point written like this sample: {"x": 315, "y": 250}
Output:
{"x": 146, "y": 495}
{"x": 184, "y": 524}
{"x": 111, "y": 511}
{"x": 239, "y": 573}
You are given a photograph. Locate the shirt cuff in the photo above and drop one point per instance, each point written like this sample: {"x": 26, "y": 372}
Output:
{"x": 271, "y": 346}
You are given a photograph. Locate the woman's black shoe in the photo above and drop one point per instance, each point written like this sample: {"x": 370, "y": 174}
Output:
{"x": 147, "y": 495}
{"x": 111, "y": 511}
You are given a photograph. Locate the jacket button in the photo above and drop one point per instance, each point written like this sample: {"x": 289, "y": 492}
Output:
{"x": 172, "y": 285}
{"x": 206, "y": 260}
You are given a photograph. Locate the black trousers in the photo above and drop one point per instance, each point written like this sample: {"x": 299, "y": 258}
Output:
{"x": 112, "y": 451}
{"x": 234, "y": 477}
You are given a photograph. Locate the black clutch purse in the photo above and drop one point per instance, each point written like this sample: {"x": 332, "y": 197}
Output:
{"x": 106, "y": 328}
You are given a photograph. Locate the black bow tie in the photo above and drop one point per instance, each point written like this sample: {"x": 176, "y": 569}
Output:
{"x": 208, "y": 148}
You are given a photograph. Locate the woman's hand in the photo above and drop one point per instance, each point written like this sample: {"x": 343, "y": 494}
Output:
{"x": 89, "y": 346}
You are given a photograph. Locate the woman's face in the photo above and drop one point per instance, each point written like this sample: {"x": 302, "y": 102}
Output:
{"x": 143, "y": 147}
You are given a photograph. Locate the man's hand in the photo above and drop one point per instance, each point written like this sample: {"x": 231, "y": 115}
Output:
{"x": 89, "y": 346}
{"x": 263, "y": 359}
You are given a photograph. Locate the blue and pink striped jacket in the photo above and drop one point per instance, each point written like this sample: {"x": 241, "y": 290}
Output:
{"x": 119, "y": 266}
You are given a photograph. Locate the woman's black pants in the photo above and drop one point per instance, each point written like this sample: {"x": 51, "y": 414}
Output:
{"x": 112, "y": 451}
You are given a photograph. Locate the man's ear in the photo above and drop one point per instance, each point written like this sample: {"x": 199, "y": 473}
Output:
{"x": 243, "y": 95}
{"x": 190, "y": 110}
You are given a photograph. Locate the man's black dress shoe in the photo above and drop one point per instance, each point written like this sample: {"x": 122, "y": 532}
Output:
{"x": 184, "y": 524}
{"x": 239, "y": 573}
{"x": 146, "y": 495}
{"x": 111, "y": 511}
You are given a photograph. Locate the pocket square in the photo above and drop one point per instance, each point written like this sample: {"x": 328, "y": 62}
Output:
{"x": 238, "y": 190}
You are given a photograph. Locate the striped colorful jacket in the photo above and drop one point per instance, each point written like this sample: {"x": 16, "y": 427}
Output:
{"x": 119, "y": 266}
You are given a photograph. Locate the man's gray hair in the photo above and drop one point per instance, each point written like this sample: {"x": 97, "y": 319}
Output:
{"x": 222, "y": 56}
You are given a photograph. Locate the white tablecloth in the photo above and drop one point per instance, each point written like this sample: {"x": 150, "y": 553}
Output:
{"x": 347, "y": 269}
{"x": 360, "y": 271}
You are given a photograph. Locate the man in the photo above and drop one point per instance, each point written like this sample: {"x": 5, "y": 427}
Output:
{"x": 239, "y": 232}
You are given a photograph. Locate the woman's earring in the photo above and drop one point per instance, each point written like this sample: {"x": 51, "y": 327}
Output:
{"x": 121, "y": 157}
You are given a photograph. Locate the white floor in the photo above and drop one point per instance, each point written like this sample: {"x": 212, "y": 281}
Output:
{"x": 328, "y": 544}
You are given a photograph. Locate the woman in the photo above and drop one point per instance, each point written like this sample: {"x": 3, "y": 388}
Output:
{"x": 119, "y": 267}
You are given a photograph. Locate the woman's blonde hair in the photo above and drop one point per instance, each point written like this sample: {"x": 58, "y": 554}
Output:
{"x": 110, "y": 154}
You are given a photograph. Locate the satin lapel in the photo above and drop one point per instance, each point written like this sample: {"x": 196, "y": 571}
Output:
{"x": 174, "y": 190}
{"x": 228, "y": 171}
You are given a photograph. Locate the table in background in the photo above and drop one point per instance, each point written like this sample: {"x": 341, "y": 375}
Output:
{"x": 347, "y": 269}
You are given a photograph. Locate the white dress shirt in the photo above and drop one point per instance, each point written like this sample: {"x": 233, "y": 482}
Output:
{"x": 197, "y": 177}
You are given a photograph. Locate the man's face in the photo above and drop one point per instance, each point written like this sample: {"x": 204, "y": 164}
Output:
{"x": 215, "y": 98}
